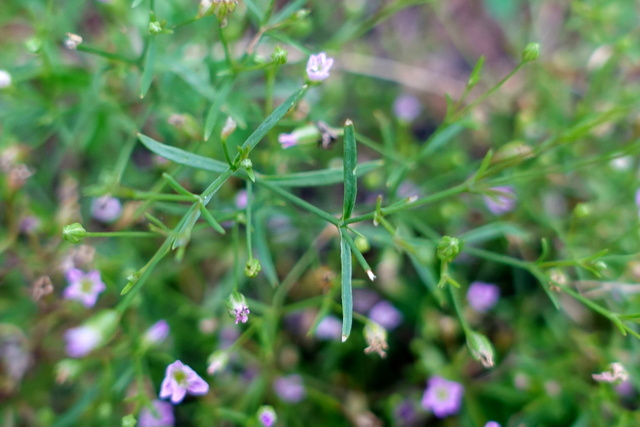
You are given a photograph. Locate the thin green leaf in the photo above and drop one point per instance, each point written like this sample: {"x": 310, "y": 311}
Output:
{"x": 320, "y": 177}
{"x": 182, "y": 157}
{"x": 262, "y": 248}
{"x": 254, "y": 10}
{"x": 149, "y": 65}
{"x": 287, "y": 11}
{"x": 273, "y": 118}
{"x": 350, "y": 162}
{"x": 211, "y": 220}
{"x": 347, "y": 296}
{"x": 476, "y": 74}
{"x": 491, "y": 231}
{"x": 441, "y": 137}
{"x": 135, "y": 3}
{"x": 214, "y": 111}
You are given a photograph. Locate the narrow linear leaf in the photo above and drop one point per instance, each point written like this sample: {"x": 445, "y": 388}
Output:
{"x": 135, "y": 3}
{"x": 193, "y": 79}
{"x": 287, "y": 11}
{"x": 214, "y": 111}
{"x": 350, "y": 162}
{"x": 149, "y": 65}
{"x": 182, "y": 157}
{"x": 492, "y": 231}
{"x": 476, "y": 74}
{"x": 272, "y": 119}
{"x": 255, "y": 10}
{"x": 320, "y": 177}
{"x": 262, "y": 248}
{"x": 211, "y": 220}
{"x": 347, "y": 296}
{"x": 441, "y": 137}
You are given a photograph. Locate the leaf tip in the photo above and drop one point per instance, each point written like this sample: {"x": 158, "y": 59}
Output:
{"x": 372, "y": 276}
{"x": 348, "y": 122}
{"x": 344, "y": 337}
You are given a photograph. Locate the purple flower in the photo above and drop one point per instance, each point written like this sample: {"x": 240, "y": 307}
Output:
{"x": 267, "y": 416}
{"x": 625, "y": 388}
{"x": 157, "y": 333}
{"x": 318, "y": 67}
{"x": 237, "y": 305}
{"x": 290, "y": 388}
{"x": 442, "y": 397}
{"x": 106, "y": 209}
{"x": 482, "y": 296}
{"x": 407, "y": 107}
{"x": 82, "y": 340}
{"x": 502, "y": 201}
{"x": 287, "y": 140}
{"x": 405, "y": 413}
{"x": 638, "y": 201}
{"x": 241, "y": 199}
{"x": 83, "y": 287}
{"x": 329, "y": 328}
{"x": 161, "y": 415}
{"x": 180, "y": 380}
{"x": 386, "y": 315}
{"x": 492, "y": 424}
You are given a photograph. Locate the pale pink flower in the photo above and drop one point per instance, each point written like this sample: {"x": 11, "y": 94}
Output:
{"x": 83, "y": 287}
{"x": 502, "y": 200}
{"x": 616, "y": 374}
{"x": 290, "y": 388}
{"x": 318, "y": 67}
{"x": 179, "y": 380}
{"x": 443, "y": 397}
{"x": 157, "y": 333}
{"x": 106, "y": 209}
{"x": 82, "y": 340}
{"x": 161, "y": 415}
{"x": 483, "y": 296}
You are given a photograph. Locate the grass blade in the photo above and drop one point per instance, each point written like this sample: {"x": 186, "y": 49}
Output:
{"x": 349, "y": 170}
{"x": 320, "y": 177}
{"x": 182, "y": 157}
{"x": 149, "y": 65}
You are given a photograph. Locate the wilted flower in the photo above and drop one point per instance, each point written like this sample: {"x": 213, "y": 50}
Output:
{"x": 157, "y": 333}
{"x": 290, "y": 388}
{"x": 407, "y": 107}
{"x": 161, "y": 415}
{"x": 267, "y": 416}
{"x": 237, "y": 305}
{"x": 482, "y": 296}
{"x": 83, "y": 287}
{"x": 386, "y": 315}
{"x": 442, "y": 397}
{"x": 5, "y": 79}
{"x": 72, "y": 41}
{"x": 179, "y": 380}
{"x": 616, "y": 374}
{"x": 376, "y": 337}
{"x": 503, "y": 201}
{"x": 106, "y": 209}
{"x": 329, "y": 328}
{"x": 217, "y": 361}
{"x": 318, "y": 67}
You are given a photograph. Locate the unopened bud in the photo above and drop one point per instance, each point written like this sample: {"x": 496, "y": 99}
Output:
{"x": 279, "y": 56}
{"x": 252, "y": 268}
{"x": 480, "y": 348}
{"x": 531, "y": 52}
{"x": 229, "y": 126}
{"x": 155, "y": 27}
{"x": 74, "y": 233}
{"x": 72, "y": 41}
{"x": 376, "y": 337}
{"x": 217, "y": 361}
{"x": 448, "y": 248}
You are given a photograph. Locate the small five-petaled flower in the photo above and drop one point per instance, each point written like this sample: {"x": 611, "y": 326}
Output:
{"x": 179, "y": 380}
{"x": 83, "y": 287}
{"x": 318, "y": 67}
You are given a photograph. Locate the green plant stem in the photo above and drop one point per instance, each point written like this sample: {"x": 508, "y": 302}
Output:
{"x": 300, "y": 203}
{"x": 249, "y": 220}
{"x": 122, "y": 234}
{"x": 107, "y": 55}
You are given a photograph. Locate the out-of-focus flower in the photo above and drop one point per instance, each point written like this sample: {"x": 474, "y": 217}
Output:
{"x": 407, "y": 108}
{"x": 237, "y": 305}
{"x": 482, "y": 296}
{"x": 442, "y": 397}
{"x": 15, "y": 357}
{"x": 5, "y": 79}
{"x": 161, "y": 415}
{"x": 67, "y": 370}
{"x": 95, "y": 332}
{"x": 217, "y": 361}
{"x": 83, "y": 287}
{"x": 502, "y": 201}
{"x": 267, "y": 416}
{"x": 308, "y": 134}
{"x": 405, "y": 413}
{"x": 318, "y": 67}
{"x": 290, "y": 388}
{"x": 229, "y": 126}
{"x": 329, "y": 328}
{"x": 625, "y": 388}
{"x": 106, "y": 209}
{"x": 179, "y": 380}
{"x": 638, "y": 200}
{"x": 241, "y": 199}
{"x": 287, "y": 140}
{"x": 376, "y": 337}
{"x": 157, "y": 333}
{"x": 492, "y": 424}
{"x": 616, "y": 374}
{"x": 386, "y": 315}
{"x": 72, "y": 41}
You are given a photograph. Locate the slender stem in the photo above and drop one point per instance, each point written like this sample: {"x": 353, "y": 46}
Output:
{"x": 249, "y": 222}
{"x": 107, "y": 55}
{"x": 225, "y": 46}
{"x": 301, "y": 203}
{"x": 122, "y": 234}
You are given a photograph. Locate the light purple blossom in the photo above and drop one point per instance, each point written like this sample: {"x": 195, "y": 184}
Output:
{"x": 318, "y": 67}
{"x": 287, "y": 140}
{"x": 179, "y": 380}
{"x": 157, "y": 333}
{"x": 502, "y": 201}
{"x": 616, "y": 374}
{"x": 407, "y": 107}
{"x": 267, "y": 416}
{"x": 329, "y": 328}
{"x": 82, "y": 340}
{"x": 492, "y": 424}
{"x": 442, "y": 397}
{"x": 482, "y": 296}
{"x": 386, "y": 315}
{"x": 290, "y": 388}
{"x": 106, "y": 209}
{"x": 638, "y": 201}
{"x": 83, "y": 287}
{"x": 625, "y": 388}
{"x": 241, "y": 199}
{"x": 161, "y": 415}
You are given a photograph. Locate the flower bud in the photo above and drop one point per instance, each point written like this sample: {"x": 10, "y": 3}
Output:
{"x": 252, "y": 268}
{"x": 480, "y": 348}
{"x": 229, "y": 127}
{"x": 267, "y": 416}
{"x": 217, "y": 361}
{"x": 376, "y": 337}
{"x": 72, "y": 41}
{"x": 67, "y": 370}
{"x": 155, "y": 27}
{"x": 238, "y": 308}
{"x": 279, "y": 56}
{"x": 531, "y": 52}
{"x": 448, "y": 248}
{"x": 74, "y": 233}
